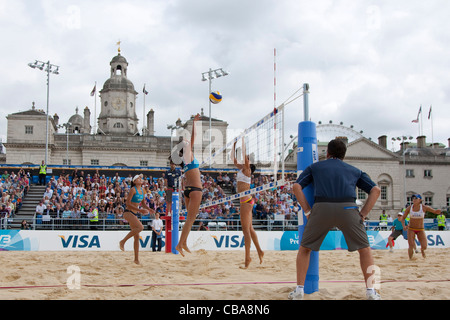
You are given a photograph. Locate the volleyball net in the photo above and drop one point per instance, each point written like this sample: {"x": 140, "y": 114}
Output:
{"x": 264, "y": 144}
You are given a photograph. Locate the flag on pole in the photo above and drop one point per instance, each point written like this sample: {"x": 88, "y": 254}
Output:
{"x": 429, "y": 114}
{"x": 93, "y": 91}
{"x": 418, "y": 114}
{"x": 144, "y": 91}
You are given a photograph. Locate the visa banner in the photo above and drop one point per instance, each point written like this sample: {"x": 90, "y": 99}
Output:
{"x": 66, "y": 240}
{"x": 79, "y": 240}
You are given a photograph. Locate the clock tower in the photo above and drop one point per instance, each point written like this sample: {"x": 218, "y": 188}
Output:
{"x": 118, "y": 101}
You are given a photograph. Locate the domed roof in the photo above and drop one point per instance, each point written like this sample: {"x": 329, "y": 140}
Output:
{"x": 118, "y": 83}
{"x": 76, "y": 118}
{"x": 119, "y": 59}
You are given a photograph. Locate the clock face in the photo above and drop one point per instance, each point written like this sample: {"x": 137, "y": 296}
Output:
{"x": 118, "y": 103}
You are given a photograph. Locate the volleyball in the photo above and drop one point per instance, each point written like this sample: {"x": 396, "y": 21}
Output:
{"x": 215, "y": 97}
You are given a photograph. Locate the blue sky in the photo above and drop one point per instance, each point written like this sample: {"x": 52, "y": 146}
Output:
{"x": 369, "y": 63}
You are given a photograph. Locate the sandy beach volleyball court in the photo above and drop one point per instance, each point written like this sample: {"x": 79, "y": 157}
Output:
{"x": 215, "y": 275}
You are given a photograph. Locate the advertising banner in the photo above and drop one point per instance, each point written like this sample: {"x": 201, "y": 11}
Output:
{"x": 29, "y": 240}
{"x": 377, "y": 239}
{"x": 232, "y": 240}
{"x": 67, "y": 240}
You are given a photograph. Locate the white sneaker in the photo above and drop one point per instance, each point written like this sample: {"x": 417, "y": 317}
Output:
{"x": 294, "y": 295}
{"x": 373, "y": 295}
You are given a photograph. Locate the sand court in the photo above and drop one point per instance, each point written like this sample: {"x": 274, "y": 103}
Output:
{"x": 215, "y": 275}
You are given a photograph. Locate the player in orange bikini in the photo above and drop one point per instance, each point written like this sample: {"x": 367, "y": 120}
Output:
{"x": 246, "y": 204}
{"x": 416, "y": 224}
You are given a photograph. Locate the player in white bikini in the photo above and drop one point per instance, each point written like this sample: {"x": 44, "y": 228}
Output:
{"x": 416, "y": 224}
{"x": 244, "y": 179}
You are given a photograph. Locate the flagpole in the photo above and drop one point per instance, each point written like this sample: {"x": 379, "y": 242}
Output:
{"x": 94, "y": 93}
{"x": 143, "y": 114}
{"x": 421, "y": 122}
{"x": 431, "y": 118}
{"x": 418, "y": 120}
{"x": 95, "y": 109}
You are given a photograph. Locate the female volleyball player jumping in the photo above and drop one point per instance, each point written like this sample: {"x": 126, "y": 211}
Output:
{"x": 243, "y": 179}
{"x": 192, "y": 190}
{"x": 134, "y": 199}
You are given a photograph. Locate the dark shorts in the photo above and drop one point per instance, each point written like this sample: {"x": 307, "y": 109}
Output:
{"x": 169, "y": 192}
{"x": 327, "y": 215}
{"x": 396, "y": 233}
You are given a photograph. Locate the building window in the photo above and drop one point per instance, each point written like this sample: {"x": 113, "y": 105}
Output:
{"x": 118, "y": 125}
{"x": 95, "y": 162}
{"x": 448, "y": 202}
{"x": 428, "y": 201}
{"x": 67, "y": 163}
{"x": 143, "y": 163}
{"x": 427, "y": 174}
{"x": 28, "y": 129}
{"x": 410, "y": 173}
{"x": 384, "y": 195}
{"x": 409, "y": 200}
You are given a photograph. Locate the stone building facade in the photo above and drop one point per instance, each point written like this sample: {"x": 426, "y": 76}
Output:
{"x": 417, "y": 168}
{"x": 116, "y": 142}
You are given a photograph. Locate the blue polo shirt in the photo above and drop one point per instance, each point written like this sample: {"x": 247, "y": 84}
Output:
{"x": 335, "y": 179}
{"x": 171, "y": 176}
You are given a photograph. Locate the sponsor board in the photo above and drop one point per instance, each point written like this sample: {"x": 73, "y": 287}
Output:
{"x": 435, "y": 239}
{"x": 232, "y": 240}
{"x": 30, "y": 240}
{"x": 335, "y": 240}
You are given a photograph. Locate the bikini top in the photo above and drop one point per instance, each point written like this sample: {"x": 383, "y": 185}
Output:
{"x": 241, "y": 177}
{"x": 193, "y": 165}
{"x": 137, "y": 197}
{"x": 416, "y": 214}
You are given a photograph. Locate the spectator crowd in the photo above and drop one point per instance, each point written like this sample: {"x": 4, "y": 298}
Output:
{"x": 72, "y": 196}
{"x": 13, "y": 188}
{"x": 268, "y": 204}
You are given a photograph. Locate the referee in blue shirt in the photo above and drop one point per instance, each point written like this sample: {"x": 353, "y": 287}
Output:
{"x": 335, "y": 185}
{"x": 171, "y": 183}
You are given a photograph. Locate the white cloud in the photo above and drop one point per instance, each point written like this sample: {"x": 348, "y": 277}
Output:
{"x": 368, "y": 63}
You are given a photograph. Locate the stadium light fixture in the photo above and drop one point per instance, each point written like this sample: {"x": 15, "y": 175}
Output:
{"x": 209, "y": 75}
{"x": 40, "y": 65}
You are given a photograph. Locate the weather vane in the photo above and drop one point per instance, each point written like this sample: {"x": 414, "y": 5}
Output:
{"x": 118, "y": 49}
